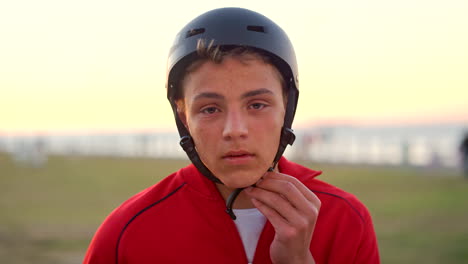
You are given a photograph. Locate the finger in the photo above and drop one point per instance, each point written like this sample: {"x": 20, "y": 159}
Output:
{"x": 278, "y": 222}
{"x": 289, "y": 191}
{"x": 308, "y": 194}
{"x": 276, "y": 202}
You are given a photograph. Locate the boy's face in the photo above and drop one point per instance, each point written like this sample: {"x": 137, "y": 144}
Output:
{"x": 234, "y": 111}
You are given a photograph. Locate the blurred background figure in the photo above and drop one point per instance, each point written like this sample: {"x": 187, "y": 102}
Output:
{"x": 464, "y": 154}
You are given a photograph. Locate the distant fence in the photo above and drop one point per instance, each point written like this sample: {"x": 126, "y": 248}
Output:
{"x": 377, "y": 150}
{"x": 416, "y": 147}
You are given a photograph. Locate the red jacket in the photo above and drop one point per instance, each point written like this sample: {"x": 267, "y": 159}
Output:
{"x": 182, "y": 219}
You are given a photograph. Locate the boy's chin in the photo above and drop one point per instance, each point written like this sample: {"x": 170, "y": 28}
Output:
{"x": 244, "y": 184}
{"x": 241, "y": 178}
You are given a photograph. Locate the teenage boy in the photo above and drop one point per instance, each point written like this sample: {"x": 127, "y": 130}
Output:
{"x": 232, "y": 83}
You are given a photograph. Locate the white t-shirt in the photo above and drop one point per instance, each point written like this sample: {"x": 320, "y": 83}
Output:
{"x": 250, "y": 223}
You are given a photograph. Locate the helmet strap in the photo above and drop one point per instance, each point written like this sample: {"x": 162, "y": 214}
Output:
{"x": 187, "y": 144}
{"x": 287, "y": 134}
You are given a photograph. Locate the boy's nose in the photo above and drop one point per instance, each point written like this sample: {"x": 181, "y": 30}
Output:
{"x": 235, "y": 126}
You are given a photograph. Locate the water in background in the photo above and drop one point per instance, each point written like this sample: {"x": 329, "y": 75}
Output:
{"x": 415, "y": 145}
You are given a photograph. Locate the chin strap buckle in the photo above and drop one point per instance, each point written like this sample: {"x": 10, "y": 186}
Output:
{"x": 186, "y": 143}
{"x": 287, "y": 136}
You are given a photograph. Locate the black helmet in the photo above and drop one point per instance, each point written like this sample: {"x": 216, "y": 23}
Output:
{"x": 233, "y": 27}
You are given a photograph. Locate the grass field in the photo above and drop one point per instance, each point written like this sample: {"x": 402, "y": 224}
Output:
{"x": 49, "y": 214}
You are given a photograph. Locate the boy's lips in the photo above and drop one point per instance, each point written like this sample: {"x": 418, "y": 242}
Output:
{"x": 238, "y": 157}
{"x": 237, "y": 153}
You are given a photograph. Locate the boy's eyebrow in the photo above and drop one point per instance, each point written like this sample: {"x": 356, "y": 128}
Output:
{"x": 256, "y": 92}
{"x": 208, "y": 95}
{"x": 243, "y": 96}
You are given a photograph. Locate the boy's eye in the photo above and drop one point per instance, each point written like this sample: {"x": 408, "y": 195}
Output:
{"x": 209, "y": 110}
{"x": 257, "y": 106}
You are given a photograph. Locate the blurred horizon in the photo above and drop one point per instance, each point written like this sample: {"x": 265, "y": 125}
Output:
{"x": 427, "y": 145}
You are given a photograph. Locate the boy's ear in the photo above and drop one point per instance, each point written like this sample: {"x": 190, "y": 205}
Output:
{"x": 181, "y": 112}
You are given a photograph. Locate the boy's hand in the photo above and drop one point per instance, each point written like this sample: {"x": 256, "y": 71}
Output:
{"x": 292, "y": 209}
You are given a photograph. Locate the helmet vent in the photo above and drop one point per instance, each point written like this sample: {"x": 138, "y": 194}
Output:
{"x": 256, "y": 28}
{"x": 194, "y": 32}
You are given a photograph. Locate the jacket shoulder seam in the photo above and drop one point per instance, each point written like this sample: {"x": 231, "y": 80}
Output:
{"x": 344, "y": 199}
{"x": 138, "y": 214}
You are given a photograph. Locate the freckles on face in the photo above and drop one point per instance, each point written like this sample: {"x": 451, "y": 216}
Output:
{"x": 234, "y": 112}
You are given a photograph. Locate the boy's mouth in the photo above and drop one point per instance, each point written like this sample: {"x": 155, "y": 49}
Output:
{"x": 238, "y": 157}
{"x": 237, "y": 154}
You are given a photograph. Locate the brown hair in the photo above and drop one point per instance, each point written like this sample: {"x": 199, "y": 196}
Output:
{"x": 206, "y": 51}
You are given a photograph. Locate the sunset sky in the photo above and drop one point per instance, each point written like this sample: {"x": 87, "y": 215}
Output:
{"x": 99, "y": 65}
